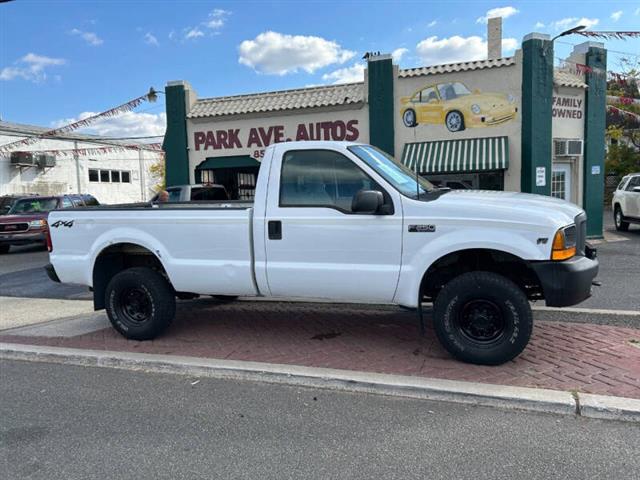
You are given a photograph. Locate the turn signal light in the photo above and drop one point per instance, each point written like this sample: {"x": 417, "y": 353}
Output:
{"x": 562, "y": 248}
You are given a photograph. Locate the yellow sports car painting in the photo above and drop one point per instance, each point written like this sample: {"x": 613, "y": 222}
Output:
{"x": 457, "y": 107}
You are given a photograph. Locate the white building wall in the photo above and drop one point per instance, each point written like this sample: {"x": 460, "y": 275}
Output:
{"x": 71, "y": 176}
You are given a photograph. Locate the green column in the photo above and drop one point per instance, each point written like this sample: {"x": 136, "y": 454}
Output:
{"x": 175, "y": 138}
{"x": 594, "y": 130}
{"x": 537, "y": 95}
{"x": 380, "y": 93}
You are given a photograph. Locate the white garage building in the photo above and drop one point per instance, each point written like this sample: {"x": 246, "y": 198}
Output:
{"x": 76, "y": 163}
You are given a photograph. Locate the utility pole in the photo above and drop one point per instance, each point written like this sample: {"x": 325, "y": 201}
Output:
{"x": 76, "y": 157}
{"x": 143, "y": 190}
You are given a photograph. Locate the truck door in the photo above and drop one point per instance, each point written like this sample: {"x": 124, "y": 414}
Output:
{"x": 316, "y": 247}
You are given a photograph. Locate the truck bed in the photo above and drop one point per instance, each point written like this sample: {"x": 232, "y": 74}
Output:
{"x": 205, "y": 247}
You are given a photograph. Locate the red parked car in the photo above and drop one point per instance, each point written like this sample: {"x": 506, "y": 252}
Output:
{"x": 26, "y": 220}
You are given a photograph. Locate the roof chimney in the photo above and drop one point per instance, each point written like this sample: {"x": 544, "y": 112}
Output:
{"x": 494, "y": 36}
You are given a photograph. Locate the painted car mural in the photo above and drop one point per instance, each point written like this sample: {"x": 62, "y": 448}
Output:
{"x": 457, "y": 107}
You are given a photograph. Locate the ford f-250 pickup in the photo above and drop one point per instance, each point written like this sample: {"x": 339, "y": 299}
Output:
{"x": 344, "y": 222}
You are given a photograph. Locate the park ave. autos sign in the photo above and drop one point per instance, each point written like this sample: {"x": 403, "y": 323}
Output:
{"x": 257, "y": 138}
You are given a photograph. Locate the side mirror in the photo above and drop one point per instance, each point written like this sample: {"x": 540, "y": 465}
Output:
{"x": 636, "y": 189}
{"x": 367, "y": 201}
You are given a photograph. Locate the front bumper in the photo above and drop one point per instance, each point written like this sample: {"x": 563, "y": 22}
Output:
{"x": 568, "y": 282}
{"x": 22, "y": 238}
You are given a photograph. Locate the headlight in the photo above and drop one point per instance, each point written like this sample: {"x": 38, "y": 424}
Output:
{"x": 564, "y": 243}
{"x": 511, "y": 98}
{"x": 36, "y": 223}
{"x": 475, "y": 108}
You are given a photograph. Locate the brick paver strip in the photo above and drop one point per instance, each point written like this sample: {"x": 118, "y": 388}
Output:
{"x": 568, "y": 356}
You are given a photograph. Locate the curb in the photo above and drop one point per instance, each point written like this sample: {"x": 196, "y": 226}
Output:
{"x": 520, "y": 398}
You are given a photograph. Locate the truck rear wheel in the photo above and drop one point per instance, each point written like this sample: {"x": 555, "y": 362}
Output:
{"x": 482, "y": 318}
{"x": 140, "y": 303}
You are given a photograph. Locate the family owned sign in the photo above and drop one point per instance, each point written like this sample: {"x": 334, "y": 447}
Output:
{"x": 567, "y": 107}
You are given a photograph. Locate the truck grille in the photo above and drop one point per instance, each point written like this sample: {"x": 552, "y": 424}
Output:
{"x": 581, "y": 232}
{"x": 13, "y": 227}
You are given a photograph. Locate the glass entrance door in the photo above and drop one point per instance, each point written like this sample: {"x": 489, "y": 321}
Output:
{"x": 561, "y": 181}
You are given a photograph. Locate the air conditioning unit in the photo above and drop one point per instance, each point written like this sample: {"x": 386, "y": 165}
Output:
{"x": 574, "y": 147}
{"x": 23, "y": 159}
{"x": 46, "y": 161}
{"x": 559, "y": 148}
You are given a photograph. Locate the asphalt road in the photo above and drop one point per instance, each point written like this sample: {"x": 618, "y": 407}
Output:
{"x": 21, "y": 274}
{"x": 69, "y": 422}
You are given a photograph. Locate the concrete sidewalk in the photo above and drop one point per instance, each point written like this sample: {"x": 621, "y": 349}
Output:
{"x": 586, "y": 358}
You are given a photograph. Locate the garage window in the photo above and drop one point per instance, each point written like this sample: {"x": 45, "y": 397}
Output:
{"x": 93, "y": 175}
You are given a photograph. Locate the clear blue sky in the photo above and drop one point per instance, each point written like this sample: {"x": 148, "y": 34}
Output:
{"x": 60, "y": 59}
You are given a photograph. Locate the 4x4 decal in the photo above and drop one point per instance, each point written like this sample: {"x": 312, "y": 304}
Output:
{"x": 62, "y": 223}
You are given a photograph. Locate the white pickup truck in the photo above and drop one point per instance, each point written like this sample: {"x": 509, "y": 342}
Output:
{"x": 343, "y": 222}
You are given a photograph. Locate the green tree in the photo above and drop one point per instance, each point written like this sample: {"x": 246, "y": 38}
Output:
{"x": 622, "y": 159}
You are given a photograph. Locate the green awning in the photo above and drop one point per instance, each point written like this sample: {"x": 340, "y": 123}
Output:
{"x": 214, "y": 163}
{"x": 468, "y": 155}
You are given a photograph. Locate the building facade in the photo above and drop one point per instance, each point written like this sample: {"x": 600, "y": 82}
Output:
{"x": 76, "y": 163}
{"x": 505, "y": 123}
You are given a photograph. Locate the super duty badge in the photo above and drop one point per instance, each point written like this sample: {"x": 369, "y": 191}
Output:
{"x": 422, "y": 228}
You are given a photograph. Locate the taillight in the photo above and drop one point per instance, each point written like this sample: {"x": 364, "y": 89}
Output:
{"x": 47, "y": 236}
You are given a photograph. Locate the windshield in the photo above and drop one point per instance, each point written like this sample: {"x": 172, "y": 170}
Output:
{"x": 33, "y": 205}
{"x": 450, "y": 91}
{"x": 403, "y": 179}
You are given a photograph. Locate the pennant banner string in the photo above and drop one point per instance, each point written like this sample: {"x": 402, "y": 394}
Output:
{"x": 125, "y": 107}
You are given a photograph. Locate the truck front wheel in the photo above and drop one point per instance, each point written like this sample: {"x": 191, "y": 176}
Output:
{"x": 140, "y": 303}
{"x": 482, "y": 318}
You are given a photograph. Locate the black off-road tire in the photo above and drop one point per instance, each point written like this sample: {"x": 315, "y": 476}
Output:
{"x": 618, "y": 220}
{"x": 151, "y": 292}
{"x": 488, "y": 298}
{"x": 4, "y": 249}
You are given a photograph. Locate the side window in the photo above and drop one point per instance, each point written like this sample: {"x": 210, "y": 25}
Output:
{"x": 321, "y": 178}
{"x": 208, "y": 194}
{"x": 90, "y": 201}
{"x": 634, "y": 182}
{"x": 77, "y": 201}
{"x": 66, "y": 202}
{"x": 428, "y": 94}
{"x": 174, "y": 194}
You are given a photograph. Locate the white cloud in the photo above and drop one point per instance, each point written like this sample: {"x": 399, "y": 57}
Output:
{"x": 354, "y": 73}
{"x": 31, "y": 67}
{"x": 539, "y": 25}
{"x": 570, "y": 22}
{"x": 89, "y": 37}
{"x": 278, "y": 54}
{"x": 615, "y": 16}
{"x": 432, "y": 23}
{"x": 128, "y": 124}
{"x": 194, "y": 32}
{"x": 150, "y": 39}
{"x": 504, "y": 12}
{"x": 509, "y": 45}
{"x": 398, "y": 53}
{"x": 172, "y": 34}
{"x": 637, "y": 12}
{"x": 434, "y": 51}
{"x": 217, "y": 19}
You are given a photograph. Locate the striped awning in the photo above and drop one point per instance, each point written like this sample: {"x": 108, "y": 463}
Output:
{"x": 468, "y": 155}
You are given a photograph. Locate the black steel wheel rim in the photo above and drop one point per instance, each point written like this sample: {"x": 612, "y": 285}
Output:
{"x": 135, "y": 305}
{"x": 481, "y": 321}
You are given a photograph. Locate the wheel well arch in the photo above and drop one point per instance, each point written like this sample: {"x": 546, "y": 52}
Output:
{"x": 453, "y": 264}
{"x": 118, "y": 257}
